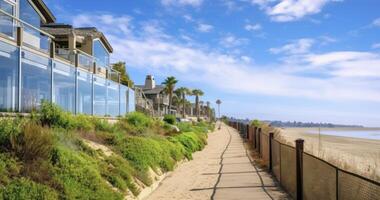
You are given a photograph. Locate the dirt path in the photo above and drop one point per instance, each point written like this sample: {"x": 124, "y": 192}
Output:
{"x": 221, "y": 171}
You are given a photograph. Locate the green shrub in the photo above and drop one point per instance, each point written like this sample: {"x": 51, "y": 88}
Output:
{"x": 103, "y": 125}
{"x": 26, "y": 189}
{"x": 9, "y": 128}
{"x": 119, "y": 173}
{"x": 83, "y": 122}
{"x": 33, "y": 143}
{"x": 191, "y": 141}
{"x": 53, "y": 116}
{"x": 170, "y": 119}
{"x": 79, "y": 176}
{"x": 135, "y": 123}
{"x": 9, "y": 168}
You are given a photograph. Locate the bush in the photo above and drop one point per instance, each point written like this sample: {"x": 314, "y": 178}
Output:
{"x": 170, "y": 119}
{"x": 53, "y": 116}
{"x": 9, "y": 128}
{"x": 135, "y": 123}
{"x": 26, "y": 189}
{"x": 79, "y": 176}
{"x": 9, "y": 168}
{"x": 33, "y": 143}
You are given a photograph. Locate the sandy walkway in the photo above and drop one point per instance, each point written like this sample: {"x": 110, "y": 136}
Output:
{"x": 221, "y": 171}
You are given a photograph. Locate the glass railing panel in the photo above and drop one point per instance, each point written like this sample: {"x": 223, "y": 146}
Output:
{"x": 9, "y": 56}
{"x": 86, "y": 62}
{"x": 112, "y": 99}
{"x": 36, "y": 39}
{"x": 64, "y": 86}
{"x": 35, "y": 81}
{"x": 131, "y": 101}
{"x": 100, "y": 96}
{"x": 7, "y": 24}
{"x": 84, "y": 98}
{"x": 113, "y": 75}
{"x": 123, "y": 100}
{"x": 65, "y": 54}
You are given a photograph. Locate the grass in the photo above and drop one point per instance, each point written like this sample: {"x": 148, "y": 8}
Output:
{"x": 45, "y": 156}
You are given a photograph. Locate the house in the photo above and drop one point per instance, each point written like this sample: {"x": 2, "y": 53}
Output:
{"x": 156, "y": 93}
{"x": 43, "y": 60}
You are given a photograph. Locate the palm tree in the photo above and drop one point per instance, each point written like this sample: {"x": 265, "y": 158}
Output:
{"x": 197, "y": 93}
{"x": 182, "y": 92}
{"x": 169, "y": 88}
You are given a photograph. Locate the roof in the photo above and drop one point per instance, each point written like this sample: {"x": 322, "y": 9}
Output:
{"x": 65, "y": 29}
{"x": 45, "y": 11}
{"x": 157, "y": 90}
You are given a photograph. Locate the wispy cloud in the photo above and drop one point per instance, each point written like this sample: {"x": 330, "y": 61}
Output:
{"x": 232, "y": 41}
{"x": 376, "y": 46}
{"x": 345, "y": 76}
{"x": 376, "y": 22}
{"x": 252, "y": 27}
{"x": 194, "y": 3}
{"x": 290, "y": 10}
{"x": 299, "y": 46}
{"x": 204, "y": 28}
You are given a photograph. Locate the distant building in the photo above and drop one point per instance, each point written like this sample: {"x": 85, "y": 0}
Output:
{"x": 156, "y": 93}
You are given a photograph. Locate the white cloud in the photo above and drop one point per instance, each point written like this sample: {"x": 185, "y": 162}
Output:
{"x": 194, "y": 3}
{"x": 376, "y": 22}
{"x": 232, "y": 41}
{"x": 252, "y": 27}
{"x": 205, "y": 28}
{"x": 297, "y": 47}
{"x": 347, "y": 76}
{"x": 188, "y": 18}
{"x": 290, "y": 10}
{"x": 376, "y": 46}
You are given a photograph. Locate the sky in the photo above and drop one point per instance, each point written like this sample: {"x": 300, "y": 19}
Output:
{"x": 291, "y": 60}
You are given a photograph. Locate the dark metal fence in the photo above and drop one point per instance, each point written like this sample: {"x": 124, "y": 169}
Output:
{"x": 305, "y": 176}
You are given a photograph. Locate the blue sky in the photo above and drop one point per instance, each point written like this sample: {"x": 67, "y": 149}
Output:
{"x": 304, "y": 60}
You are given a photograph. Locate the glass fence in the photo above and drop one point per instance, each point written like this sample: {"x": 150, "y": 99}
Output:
{"x": 86, "y": 62}
{"x": 41, "y": 78}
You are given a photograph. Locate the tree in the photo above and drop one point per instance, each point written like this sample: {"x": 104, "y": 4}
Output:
{"x": 182, "y": 92}
{"x": 169, "y": 88}
{"x": 124, "y": 77}
{"x": 197, "y": 93}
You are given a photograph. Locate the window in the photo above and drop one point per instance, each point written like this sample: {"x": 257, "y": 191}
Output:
{"x": 101, "y": 54}
{"x": 100, "y": 96}
{"x": 84, "y": 101}
{"x": 64, "y": 86}
{"x": 6, "y": 23}
{"x": 35, "y": 82}
{"x": 8, "y": 77}
{"x": 123, "y": 100}
{"x": 31, "y": 36}
{"x": 113, "y": 99}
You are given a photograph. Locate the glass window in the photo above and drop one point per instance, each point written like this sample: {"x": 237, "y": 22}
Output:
{"x": 6, "y": 22}
{"x": 101, "y": 54}
{"x": 29, "y": 14}
{"x": 123, "y": 100}
{"x": 35, "y": 82}
{"x": 8, "y": 77}
{"x": 113, "y": 99}
{"x": 100, "y": 96}
{"x": 84, "y": 101}
{"x": 64, "y": 86}
{"x": 131, "y": 101}
{"x": 31, "y": 36}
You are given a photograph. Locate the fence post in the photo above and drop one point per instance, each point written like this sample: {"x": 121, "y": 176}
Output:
{"x": 270, "y": 152}
{"x": 259, "y": 142}
{"x": 254, "y": 136}
{"x": 299, "y": 152}
{"x": 247, "y": 131}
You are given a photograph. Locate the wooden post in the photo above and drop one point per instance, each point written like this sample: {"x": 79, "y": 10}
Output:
{"x": 259, "y": 141}
{"x": 255, "y": 137}
{"x": 299, "y": 152}
{"x": 270, "y": 152}
{"x": 19, "y": 36}
{"x": 247, "y": 131}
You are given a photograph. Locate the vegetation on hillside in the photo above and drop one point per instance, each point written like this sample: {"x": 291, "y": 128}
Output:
{"x": 49, "y": 156}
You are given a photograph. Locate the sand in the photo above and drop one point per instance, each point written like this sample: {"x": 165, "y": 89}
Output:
{"x": 222, "y": 170}
{"x": 360, "y": 156}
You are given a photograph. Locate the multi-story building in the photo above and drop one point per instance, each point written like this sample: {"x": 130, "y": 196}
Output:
{"x": 157, "y": 95}
{"x": 42, "y": 60}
